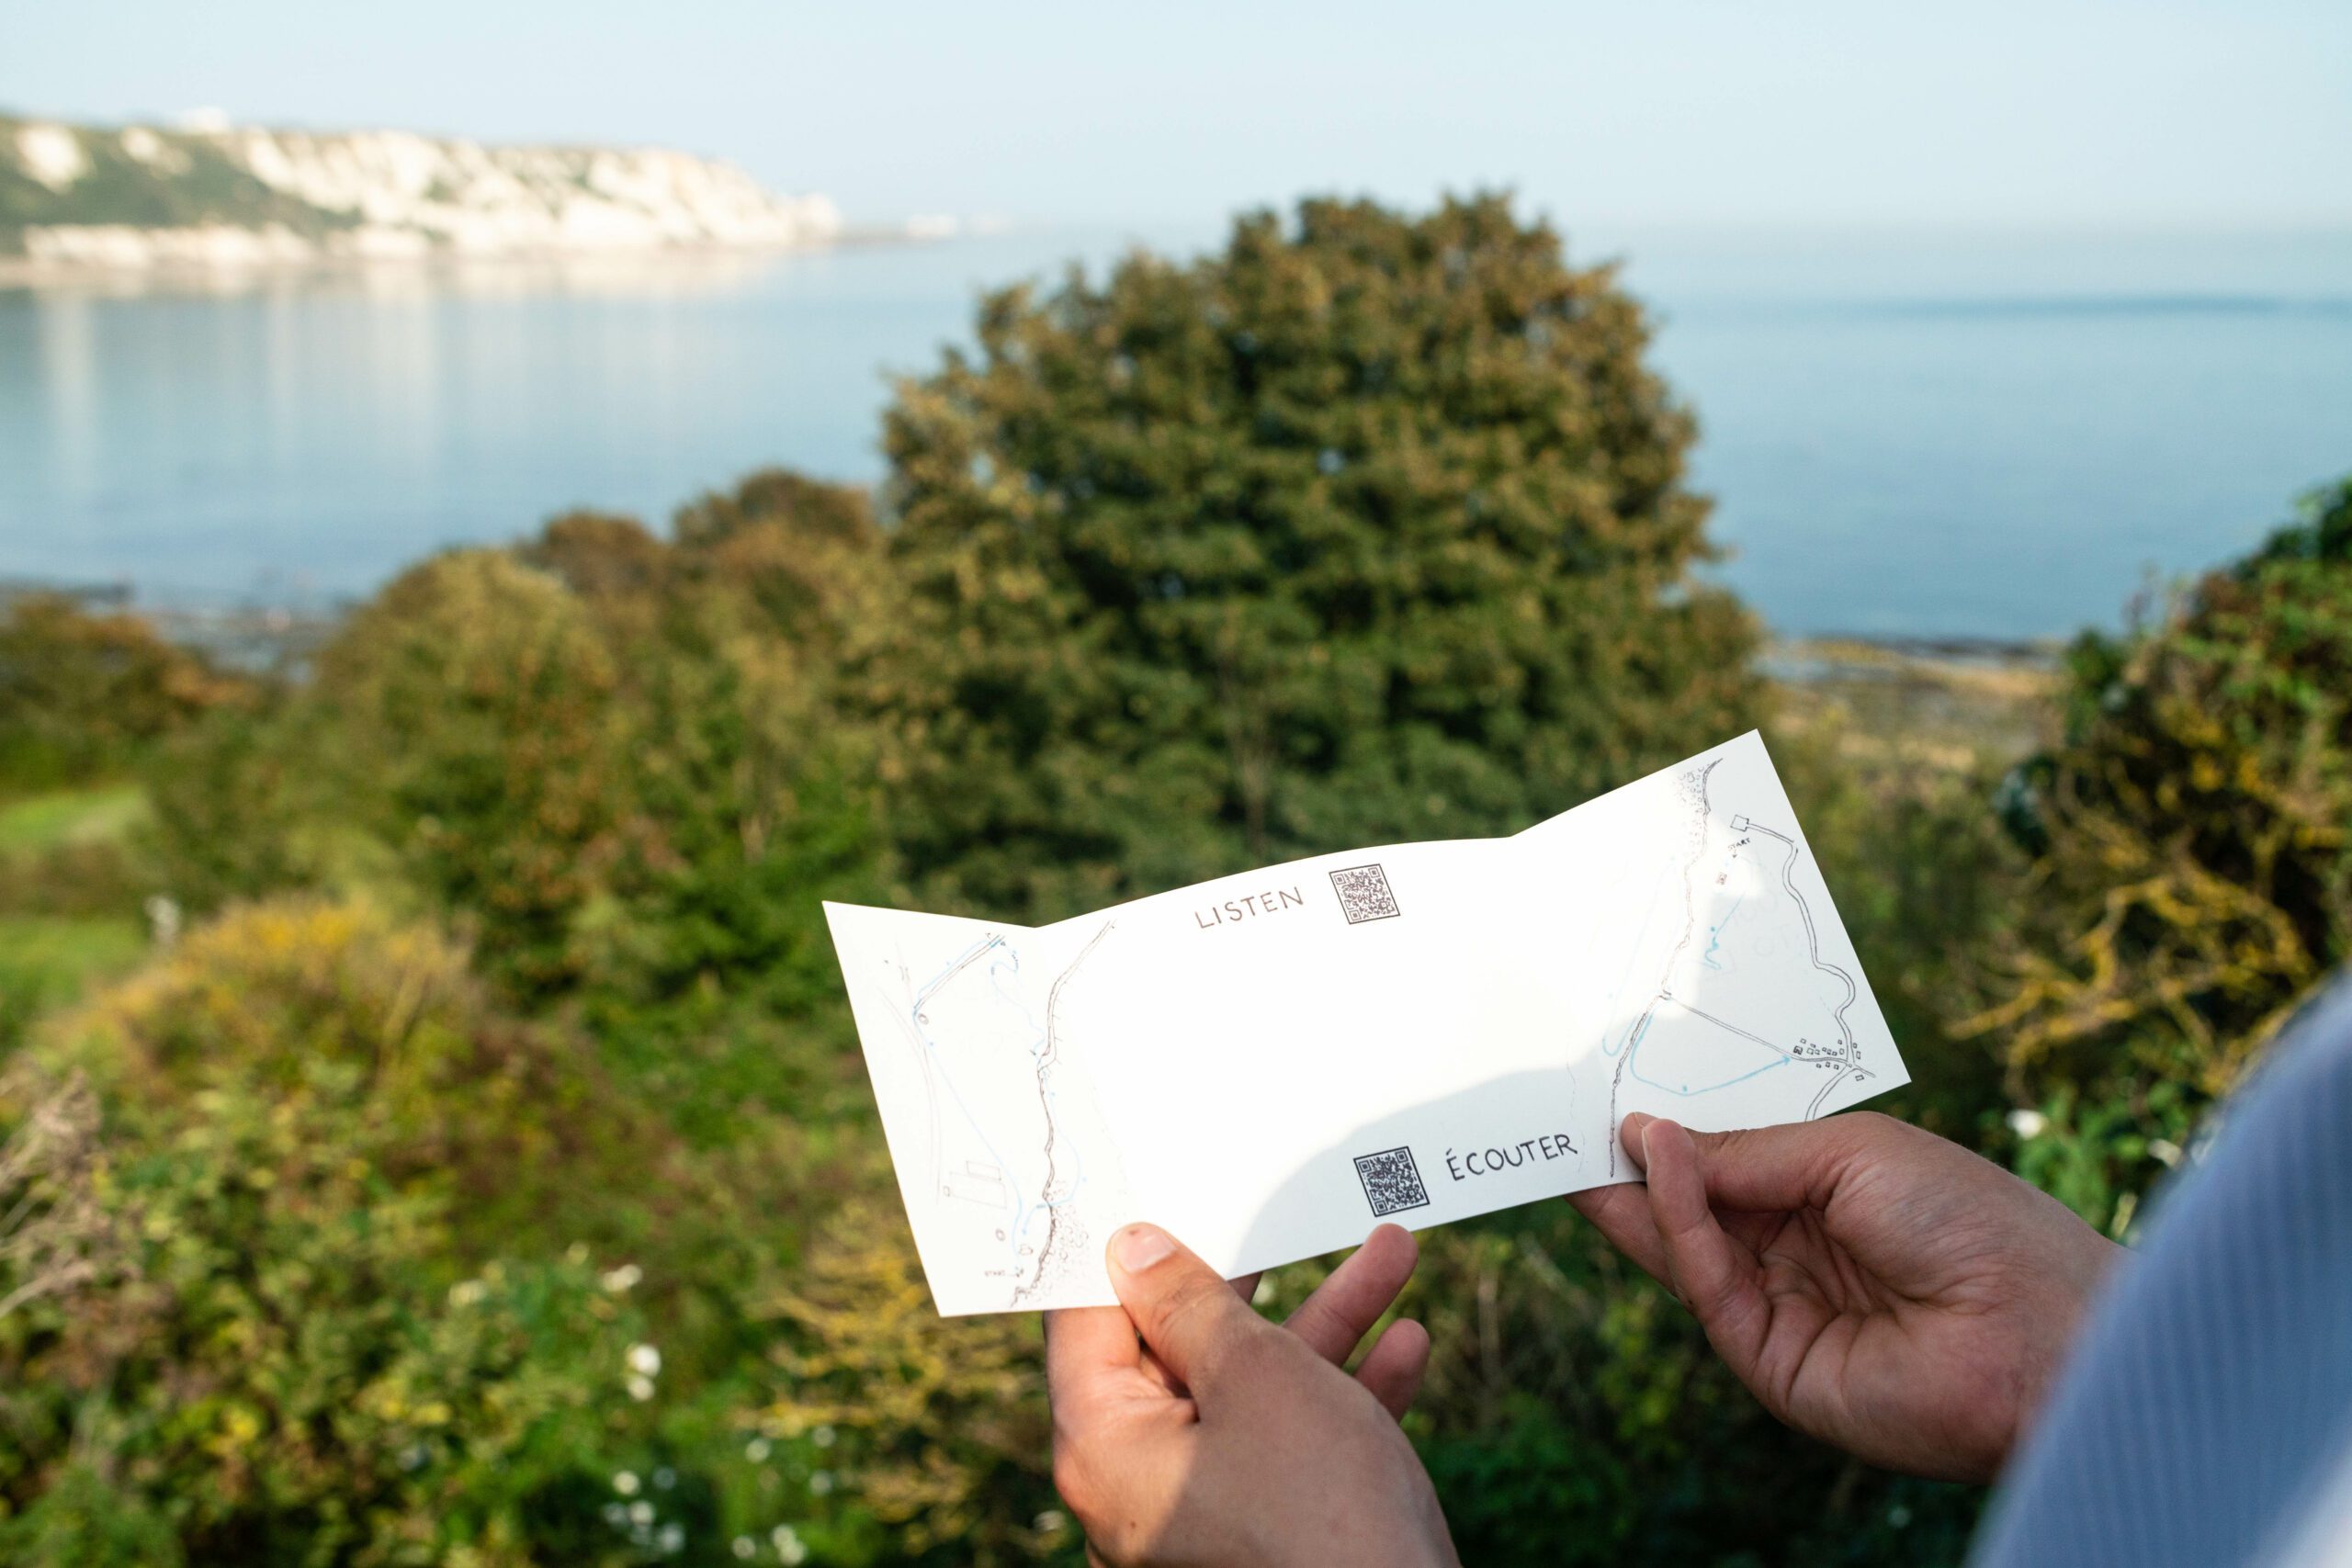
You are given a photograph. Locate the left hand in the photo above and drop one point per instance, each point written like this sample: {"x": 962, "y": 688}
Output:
{"x": 1221, "y": 1438}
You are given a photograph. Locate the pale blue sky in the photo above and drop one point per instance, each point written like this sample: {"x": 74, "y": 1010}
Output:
{"x": 2076, "y": 113}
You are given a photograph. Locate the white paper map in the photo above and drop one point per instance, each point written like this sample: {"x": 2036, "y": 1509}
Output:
{"x": 1270, "y": 1064}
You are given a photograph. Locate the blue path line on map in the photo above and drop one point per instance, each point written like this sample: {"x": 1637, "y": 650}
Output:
{"x": 1687, "y": 1092}
{"x": 1715, "y": 935}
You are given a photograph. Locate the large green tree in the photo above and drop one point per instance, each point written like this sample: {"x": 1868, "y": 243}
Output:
{"x": 1366, "y": 528}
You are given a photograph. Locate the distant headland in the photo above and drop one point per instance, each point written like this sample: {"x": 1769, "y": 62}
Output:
{"x": 205, "y": 194}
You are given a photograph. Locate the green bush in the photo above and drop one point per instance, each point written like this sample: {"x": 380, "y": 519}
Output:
{"x": 620, "y": 763}
{"x": 301, "y": 1297}
{"x": 277, "y": 1336}
{"x": 1367, "y": 527}
{"x": 470, "y": 711}
{"x": 743, "y": 781}
{"x": 941, "y": 1422}
{"x": 82, "y": 696}
{"x": 242, "y": 805}
{"x": 2192, "y": 844}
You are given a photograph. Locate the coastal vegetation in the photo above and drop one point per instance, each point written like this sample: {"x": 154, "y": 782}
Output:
{"x": 430, "y": 1129}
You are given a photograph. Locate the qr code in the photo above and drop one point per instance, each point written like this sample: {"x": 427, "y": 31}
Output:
{"x": 1392, "y": 1184}
{"x": 1364, "y": 894}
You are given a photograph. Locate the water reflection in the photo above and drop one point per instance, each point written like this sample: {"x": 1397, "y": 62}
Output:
{"x": 1903, "y": 439}
{"x": 634, "y": 272}
{"x": 192, "y": 435}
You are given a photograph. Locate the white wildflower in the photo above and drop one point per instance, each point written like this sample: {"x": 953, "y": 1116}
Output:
{"x": 789, "y": 1547}
{"x": 821, "y": 1482}
{"x": 2029, "y": 1123}
{"x": 621, "y": 1279}
{"x": 2164, "y": 1151}
{"x": 673, "y": 1538}
{"x": 640, "y": 1512}
{"x": 164, "y": 920}
{"x": 756, "y": 1451}
{"x": 639, "y": 1388}
{"x": 645, "y": 1360}
{"x": 822, "y": 1437}
{"x": 468, "y": 1292}
{"x": 745, "y": 1547}
{"x": 625, "y": 1483}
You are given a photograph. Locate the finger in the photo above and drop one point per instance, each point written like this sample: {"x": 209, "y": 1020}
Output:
{"x": 1345, "y": 1306}
{"x": 1392, "y": 1370}
{"x": 1629, "y": 1134}
{"x": 1189, "y": 1316}
{"x": 1622, "y": 1214}
{"x": 1161, "y": 1378}
{"x": 1088, "y": 1349}
{"x": 1793, "y": 1167}
{"x": 1706, "y": 1270}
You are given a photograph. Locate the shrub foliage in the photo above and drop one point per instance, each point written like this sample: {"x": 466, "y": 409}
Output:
{"x": 1366, "y": 527}
{"x": 2192, "y": 840}
{"x": 487, "y": 1177}
{"x": 82, "y": 693}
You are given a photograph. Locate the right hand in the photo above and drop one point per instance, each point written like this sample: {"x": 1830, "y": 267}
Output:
{"x": 1875, "y": 1286}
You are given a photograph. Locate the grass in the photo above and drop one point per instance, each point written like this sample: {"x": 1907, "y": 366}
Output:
{"x": 65, "y": 925}
{"x": 49, "y": 961}
{"x": 74, "y": 816}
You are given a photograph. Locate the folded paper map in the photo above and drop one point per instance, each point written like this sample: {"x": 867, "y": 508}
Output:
{"x": 1271, "y": 1064}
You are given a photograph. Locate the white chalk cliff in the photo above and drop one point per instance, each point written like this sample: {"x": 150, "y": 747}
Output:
{"x": 218, "y": 195}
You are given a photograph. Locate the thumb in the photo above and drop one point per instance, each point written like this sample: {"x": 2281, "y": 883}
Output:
{"x": 1764, "y": 1169}
{"x": 1714, "y": 1275}
{"x": 1189, "y": 1316}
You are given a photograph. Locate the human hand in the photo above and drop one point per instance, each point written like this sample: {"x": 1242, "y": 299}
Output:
{"x": 1875, "y": 1286}
{"x": 1221, "y": 1438}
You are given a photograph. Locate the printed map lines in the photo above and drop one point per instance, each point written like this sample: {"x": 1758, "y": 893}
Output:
{"x": 1844, "y": 1058}
{"x": 911, "y": 1025}
{"x": 1062, "y": 1238}
{"x": 1693, "y": 787}
{"x": 1851, "y": 1067}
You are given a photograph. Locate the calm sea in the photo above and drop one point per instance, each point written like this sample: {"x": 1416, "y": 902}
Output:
{"x": 2003, "y": 437}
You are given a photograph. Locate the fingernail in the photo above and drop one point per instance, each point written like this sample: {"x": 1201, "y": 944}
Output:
{"x": 1630, "y": 1137}
{"x": 1137, "y": 1248}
